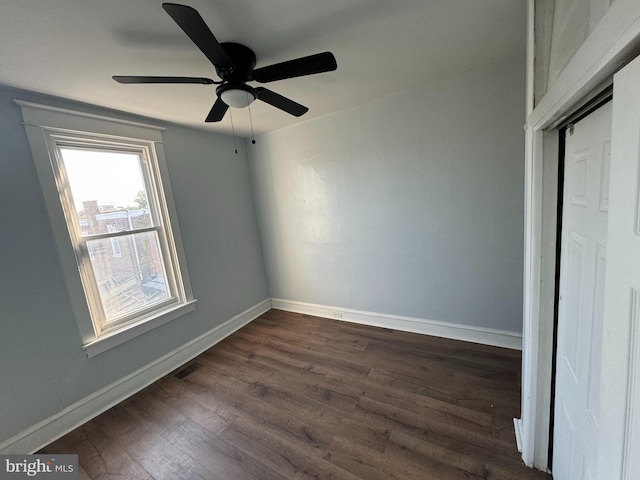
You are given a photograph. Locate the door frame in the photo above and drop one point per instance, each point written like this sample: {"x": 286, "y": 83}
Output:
{"x": 612, "y": 43}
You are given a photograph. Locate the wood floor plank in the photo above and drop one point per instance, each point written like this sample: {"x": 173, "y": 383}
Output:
{"x": 283, "y": 453}
{"x": 258, "y": 367}
{"x": 215, "y": 420}
{"x": 460, "y": 456}
{"x": 296, "y": 397}
{"x": 321, "y": 469}
{"x": 394, "y": 464}
{"x": 231, "y": 395}
{"x": 269, "y": 448}
{"x": 301, "y": 427}
{"x": 219, "y": 456}
{"x": 268, "y": 361}
{"x": 385, "y": 416}
{"x": 149, "y": 448}
{"x": 58, "y": 447}
{"x": 100, "y": 457}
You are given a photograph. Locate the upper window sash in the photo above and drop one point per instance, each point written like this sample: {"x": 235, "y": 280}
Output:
{"x": 59, "y": 142}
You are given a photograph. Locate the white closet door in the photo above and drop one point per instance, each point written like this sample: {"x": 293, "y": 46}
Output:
{"x": 619, "y": 451}
{"x": 582, "y": 282}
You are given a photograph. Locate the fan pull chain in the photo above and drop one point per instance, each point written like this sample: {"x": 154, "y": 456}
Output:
{"x": 233, "y": 131}
{"x": 253, "y": 137}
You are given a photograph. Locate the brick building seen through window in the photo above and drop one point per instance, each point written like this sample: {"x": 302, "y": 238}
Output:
{"x": 130, "y": 267}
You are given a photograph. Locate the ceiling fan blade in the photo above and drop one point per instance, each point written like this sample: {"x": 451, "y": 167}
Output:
{"x": 217, "y": 111}
{"x": 134, "y": 79}
{"x": 318, "y": 63}
{"x": 190, "y": 21}
{"x": 278, "y": 101}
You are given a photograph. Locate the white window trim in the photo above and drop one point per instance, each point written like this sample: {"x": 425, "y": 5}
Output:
{"x": 39, "y": 119}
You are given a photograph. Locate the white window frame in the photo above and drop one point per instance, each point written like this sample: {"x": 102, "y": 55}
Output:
{"x": 47, "y": 127}
{"x": 58, "y": 141}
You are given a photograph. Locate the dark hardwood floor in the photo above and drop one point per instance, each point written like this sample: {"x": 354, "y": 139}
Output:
{"x": 297, "y": 397}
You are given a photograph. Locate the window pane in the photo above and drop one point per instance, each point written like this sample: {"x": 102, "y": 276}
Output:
{"x": 131, "y": 277}
{"x": 108, "y": 190}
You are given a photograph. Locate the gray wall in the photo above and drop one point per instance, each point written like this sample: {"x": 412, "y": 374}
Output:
{"x": 42, "y": 367}
{"x": 411, "y": 205}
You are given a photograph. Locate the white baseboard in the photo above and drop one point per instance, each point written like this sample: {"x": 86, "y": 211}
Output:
{"x": 89, "y": 407}
{"x": 517, "y": 427}
{"x": 455, "y": 331}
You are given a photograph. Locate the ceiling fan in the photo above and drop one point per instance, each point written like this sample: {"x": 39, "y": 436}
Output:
{"x": 235, "y": 65}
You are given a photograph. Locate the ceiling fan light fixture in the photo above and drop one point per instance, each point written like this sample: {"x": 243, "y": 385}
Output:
{"x": 237, "y": 95}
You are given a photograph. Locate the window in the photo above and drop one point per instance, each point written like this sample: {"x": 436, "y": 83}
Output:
{"x": 113, "y": 220}
{"x": 104, "y": 187}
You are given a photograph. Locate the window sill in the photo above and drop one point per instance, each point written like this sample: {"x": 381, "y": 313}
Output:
{"x": 118, "y": 337}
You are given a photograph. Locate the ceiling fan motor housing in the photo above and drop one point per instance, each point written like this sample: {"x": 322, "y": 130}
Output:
{"x": 243, "y": 60}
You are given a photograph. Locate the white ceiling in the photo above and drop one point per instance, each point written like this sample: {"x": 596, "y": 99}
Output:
{"x": 71, "y": 48}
